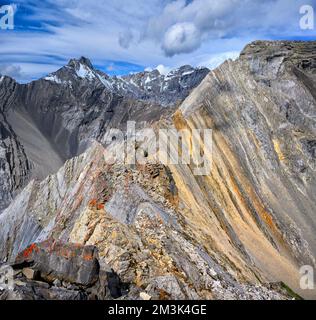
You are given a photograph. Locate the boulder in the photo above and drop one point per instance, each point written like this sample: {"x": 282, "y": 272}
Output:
{"x": 29, "y": 273}
{"x": 145, "y": 296}
{"x": 67, "y": 262}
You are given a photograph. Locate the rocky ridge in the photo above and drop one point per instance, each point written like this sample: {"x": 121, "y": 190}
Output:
{"x": 242, "y": 231}
{"x": 137, "y": 229}
{"x": 56, "y": 118}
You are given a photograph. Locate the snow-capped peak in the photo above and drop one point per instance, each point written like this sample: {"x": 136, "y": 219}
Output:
{"x": 83, "y": 68}
{"x": 84, "y": 72}
{"x": 147, "y": 85}
{"x": 81, "y": 61}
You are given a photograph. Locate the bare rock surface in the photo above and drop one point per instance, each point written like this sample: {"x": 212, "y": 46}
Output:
{"x": 52, "y": 270}
{"x": 152, "y": 250}
{"x": 65, "y": 262}
{"x": 241, "y": 231}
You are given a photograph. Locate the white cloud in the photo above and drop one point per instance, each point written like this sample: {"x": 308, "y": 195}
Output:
{"x": 143, "y": 32}
{"x": 25, "y": 72}
{"x": 163, "y": 69}
{"x": 213, "y": 61}
{"x": 213, "y": 19}
{"x": 10, "y": 70}
{"x": 181, "y": 38}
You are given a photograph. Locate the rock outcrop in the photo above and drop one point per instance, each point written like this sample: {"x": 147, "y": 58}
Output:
{"x": 133, "y": 217}
{"x": 65, "y": 262}
{"x": 52, "y": 270}
{"x": 14, "y": 164}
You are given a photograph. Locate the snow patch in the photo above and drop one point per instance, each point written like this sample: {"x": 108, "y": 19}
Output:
{"x": 84, "y": 72}
{"x": 53, "y": 78}
{"x": 147, "y": 80}
{"x": 105, "y": 82}
{"x": 187, "y": 73}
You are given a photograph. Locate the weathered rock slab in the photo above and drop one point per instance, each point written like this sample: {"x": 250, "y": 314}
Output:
{"x": 66, "y": 262}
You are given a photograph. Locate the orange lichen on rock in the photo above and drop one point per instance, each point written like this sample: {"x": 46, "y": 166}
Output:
{"x": 67, "y": 253}
{"x": 87, "y": 256}
{"x": 94, "y": 204}
{"x": 100, "y": 206}
{"x": 28, "y": 251}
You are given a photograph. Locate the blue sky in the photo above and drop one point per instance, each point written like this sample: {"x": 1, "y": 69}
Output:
{"x": 125, "y": 36}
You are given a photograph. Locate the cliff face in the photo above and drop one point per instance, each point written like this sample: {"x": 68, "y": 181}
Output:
{"x": 261, "y": 189}
{"x": 229, "y": 233}
{"x": 14, "y": 165}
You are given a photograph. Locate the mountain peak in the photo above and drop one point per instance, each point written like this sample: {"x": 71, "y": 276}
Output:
{"x": 147, "y": 85}
{"x": 81, "y": 61}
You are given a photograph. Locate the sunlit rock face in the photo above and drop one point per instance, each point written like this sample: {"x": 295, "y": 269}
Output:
{"x": 261, "y": 188}
{"x": 239, "y": 231}
{"x": 134, "y": 218}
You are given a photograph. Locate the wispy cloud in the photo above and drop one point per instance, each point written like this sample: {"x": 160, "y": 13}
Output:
{"x": 132, "y": 35}
{"x": 183, "y": 25}
{"x": 10, "y": 70}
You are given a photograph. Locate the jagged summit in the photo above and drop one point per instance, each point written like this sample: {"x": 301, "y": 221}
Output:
{"x": 147, "y": 85}
{"x": 82, "y": 60}
{"x": 76, "y": 70}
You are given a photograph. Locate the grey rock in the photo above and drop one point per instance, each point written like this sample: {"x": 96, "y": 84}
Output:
{"x": 71, "y": 263}
{"x": 29, "y": 273}
{"x": 57, "y": 283}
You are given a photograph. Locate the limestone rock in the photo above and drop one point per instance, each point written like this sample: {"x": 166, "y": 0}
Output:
{"x": 29, "y": 273}
{"x": 145, "y": 296}
{"x": 66, "y": 262}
